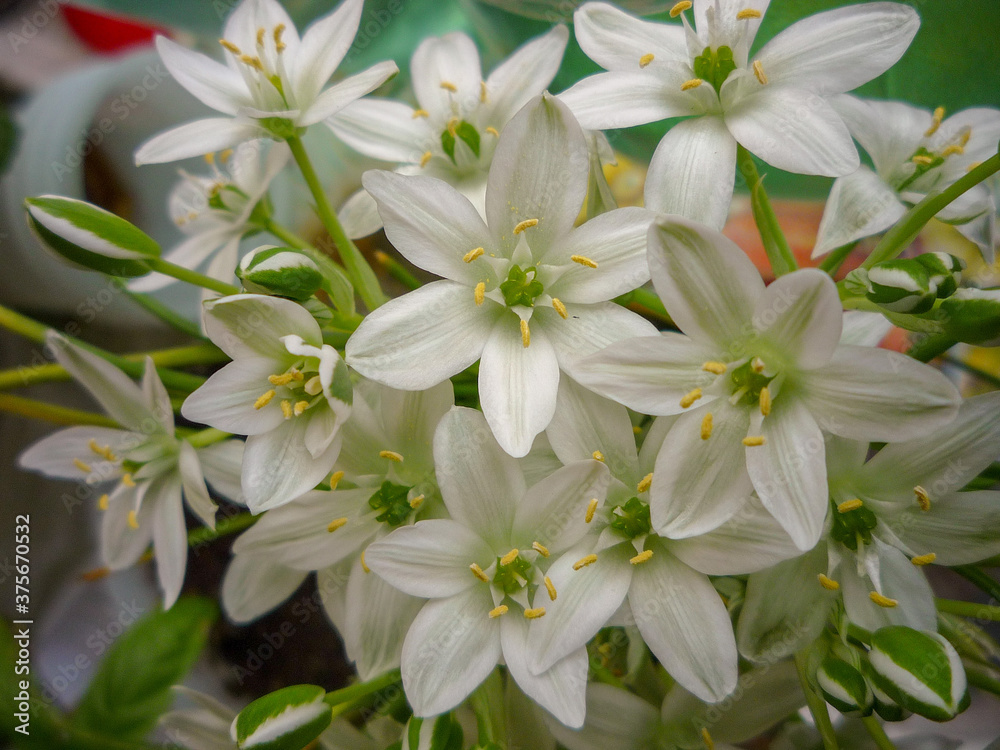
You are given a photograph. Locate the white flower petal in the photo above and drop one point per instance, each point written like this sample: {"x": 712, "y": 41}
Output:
{"x": 864, "y": 328}
{"x": 349, "y": 90}
{"x": 359, "y": 215}
{"x": 615, "y": 718}
{"x": 253, "y": 324}
{"x": 169, "y": 536}
{"x": 616, "y": 40}
{"x": 121, "y": 543}
{"x": 693, "y": 171}
{"x": 525, "y": 74}
{"x": 588, "y": 329}
{"x": 197, "y": 138}
{"x": 901, "y": 581}
{"x": 214, "y": 84}
{"x": 553, "y": 512}
{"x": 242, "y": 24}
{"x": 254, "y": 585}
{"x": 195, "y": 492}
{"x": 422, "y": 338}
{"x": 226, "y": 400}
{"x": 623, "y": 99}
{"x": 960, "y": 528}
{"x": 323, "y": 46}
{"x": 860, "y": 205}
{"x": 54, "y": 454}
{"x": 800, "y": 314}
{"x": 410, "y": 419}
{"x": 889, "y": 131}
{"x": 382, "y": 129}
{"x": 450, "y": 59}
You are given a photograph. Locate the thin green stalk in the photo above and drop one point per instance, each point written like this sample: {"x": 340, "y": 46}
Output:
{"x": 223, "y": 527}
{"x": 361, "y": 689}
{"x": 191, "y": 277}
{"x": 877, "y": 733}
{"x": 817, "y": 706}
{"x": 487, "y": 704}
{"x": 286, "y": 235}
{"x": 647, "y": 301}
{"x": 164, "y": 313}
{"x": 397, "y": 270}
{"x": 901, "y": 235}
{"x": 364, "y": 279}
{"x": 832, "y": 262}
{"x": 207, "y": 436}
{"x": 982, "y": 680}
{"x": 29, "y": 407}
{"x": 779, "y": 254}
{"x": 973, "y": 610}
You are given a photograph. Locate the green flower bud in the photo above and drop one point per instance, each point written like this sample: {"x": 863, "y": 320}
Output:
{"x": 843, "y": 687}
{"x": 90, "y": 237}
{"x": 280, "y": 271}
{"x": 919, "y": 671}
{"x": 944, "y": 271}
{"x": 439, "y": 733}
{"x": 972, "y": 316}
{"x": 901, "y": 285}
{"x": 288, "y": 719}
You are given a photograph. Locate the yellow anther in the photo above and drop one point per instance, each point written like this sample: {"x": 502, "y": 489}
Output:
{"x": 583, "y": 562}
{"x": 765, "y": 400}
{"x": 972, "y": 166}
{"x": 540, "y": 548}
{"x": 646, "y": 59}
{"x": 102, "y": 502}
{"x": 133, "y": 520}
{"x": 525, "y": 334}
{"x": 420, "y": 113}
{"x": 478, "y": 573}
{"x": 583, "y": 260}
{"x": 923, "y": 499}
{"x": 82, "y": 466}
{"x": 705, "y": 736}
{"x": 636, "y": 430}
{"x": 253, "y": 62}
{"x": 416, "y": 502}
{"x": 691, "y": 84}
{"x": 497, "y": 611}
{"x": 364, "y": 566}
{"x": 260, "y": 36}
{"x": 751, "y": 441}
{"x": 952, "y": 149}
{"x": 938, "y": 116}
{"x": 597, "y": 456}
{"x": 924, "y": 559}
{"x": 480, "y": 293}
{"x": 690, "y": 397}
{"x": 452, "y": 126}
{"x": 534, "y": 614}
{"x": 493, "y": 131}
{"x": 680, "y": 7}
{"x": 717, "y": 368}
{"x": 924, "y": 161}
{"x": 550, "y": 587}
{"x": 758, "y": 71}
{"x": 283, "y": 379}
{"x": 526, "y": 224}
{"x": 286, "y": 408}
{"x": 757, "y": 365}
{"x": 510, "y": 556}
{"x": 641, "y": 557}
{"x": 278, "y": 31}
{"x": 425, "y": 158}
{"x": 230, "y": 47}
{"x": 300, "y": 407}
{"x": 644, "y": 483}
{"x": 335, "y": 479}
{"x": 473, "y": 254}
{"x": 127, "y": 480}
{"x": 706, "y": 426}
{"x": 882, "y": 601}
{"x": 264, "y": 399}
{"x": 606, "y": 650}
{"x": 449, "y": 86}
{"x": 484, "y": 94}
{"x": 391, "y": 455}
{"x": 560, "y": 308}
{"x": 828, "y": 583}
{"x": 225, "y": 155}
{"x": 848, "y": 505}
{"x": 966, "y": 135}
{"x": 335, "y": 524}
{"x": 746, "y": 13}
{"x": 591, "y": 510}
{"x": 209, "y": 158}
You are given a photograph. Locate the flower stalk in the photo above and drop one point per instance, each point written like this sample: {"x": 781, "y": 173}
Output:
{"x": 779, "y": 254}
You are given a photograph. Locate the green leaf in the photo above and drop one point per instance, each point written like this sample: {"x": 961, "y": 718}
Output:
{"x": 131, "y": 688}
{"x": 287, "y": 719}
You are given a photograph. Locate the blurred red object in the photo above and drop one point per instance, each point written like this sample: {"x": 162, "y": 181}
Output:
{"x": 108, "y": 34}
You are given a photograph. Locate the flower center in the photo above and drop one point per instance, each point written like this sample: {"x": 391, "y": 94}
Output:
{"x": 512, "y": 573}
{"x": 392, "y": 499}
{"x": 460, "y": 130}
{"x": 296, "y": 390}
{"x": 748, "y": 383}
{"x": 714, "y": 66}
{"x": 852, "y": 524}
{"x": 521, "y": 287}
{"x": 631, "y": 518}
{"x": 926, "y": 160}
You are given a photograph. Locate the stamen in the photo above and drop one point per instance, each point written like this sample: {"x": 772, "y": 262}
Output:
{"x": 748, "y": 13}
{"x": 938, "y": 116}
{"x": 718, "y": 368}
{"x": 128, "y": 481}
{"x": 425, "y": 158}
{"x": 924, "y": 559}
{"x": 364, "y": 566}
{"x": 335, "y": 479}
{"x": 591, "y": 510}
{"x": 283, "y": 379}
{"x": 560, "y": 308}
{"x": 706, "y": 426}
{"x": 209, "y": 159}
{"x": 692, "y": 84}
{"x": 391, "y": 455}
{"x": 278, "y": 31}
{"x": 335, "y": 524}
{"x": 452, "y": 126}
{"x": 260, "y": 36}
{"x": 641, "y": 557}
{"x": 924, "y": 161}
{"x": 534, "y": 614}
{"x": 644, "y": 483}
{"x": 480, "y": 293}
{"x": 680, "y": 7}
{"x": 478, "y": 573}
{"x": 264, "y": 400}
{"x": 636, "y": 429}
{"x": 707, "y": 739}
{"x": 540, "y": 548}
{"x": 473, "y": 254}
{"x": 882, "y": 601}
{"x": 606, "y": 650}
{"x": 550, "y": 587}
{"x": 526, "y": 224}
{"x": 300, "y": 407}
{"x": 752, "y": 441}
{"x": 848, "y": 505}
{"x": 82, "y": 466}
{"x": 966, "y": 135}
{"x": 757, "y": 365}
{"x": 597, "y": 456}
{"x": 525, "y": 334}
{"x": 225, "y": 155}
{"x": 583, "y": 562}
{"x": 646, "y": 59}
{"x": 230, "y": 47}
{"x": 416, "y": 502}
{"x": 828, "y": 583}
{"x": 758, "y": 71}
{"x": 493, "y": 131}
{"x": 497, "y": 611}
{"x": 765, "y": 401}
{"x": 952, "y": 149}
{"x": 102, "y": 502}
{"x": 690, "y": 397}
{"x": 133, "y": 520}
{"x": 286, "y": 408}
{"x": 923, "y": 499}
{"x": 583, "y": 261}
{"x": 420, "y": 113}
{"x": 510, "y": 556}
{"x": 484, "y": 94}
{"x": 253, "y": 62}
{"x": 449, "y": 86}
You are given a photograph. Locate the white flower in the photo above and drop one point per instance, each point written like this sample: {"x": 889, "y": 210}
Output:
{"x": 388, "y": 465}
{"x": 153, "y": 468}
{"x": 772, "y": 103}
{"x": 889, "y": 517}
{"x": 757, "y": 375}
{"x": 525, "y": 291}
{"x": 272, "y": 82}
{"x": 481, "y": 570}
{"x": 664, "y": 581}
{"x": 453, "y": 133}
{"x": 285, "y": 389}
{"x": 914, "y": 152}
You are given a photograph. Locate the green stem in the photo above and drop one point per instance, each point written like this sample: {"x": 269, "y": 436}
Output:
{"x": 191, "y": 277}
{"x": 646, "y": 301}
{"x": 877, "y": 733}
{"x": 832, "y": 262}
{"x": 487, "y": 704}
{"x": 931, "y": 346}
{"x": 361, "y": 689}
{"x": 982, "y": 680}
{"x": 28, "y": 407}
{"x": 817, "y": 706}
{"x": 358, "y": 270}
{"x": 286, "y": 235}
{"x": 164, "y": 313}
{"x": 223, "y": 527}
{"x": 207, "y": 437}
{"x": 397, "y": 270}
{"x": 973, "y": 610}
{"x": 902, "y": 234}
{"x": 779, "y": 254}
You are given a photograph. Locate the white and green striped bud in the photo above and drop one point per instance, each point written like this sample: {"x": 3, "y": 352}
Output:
{"x": 901, "y": 285}
{"x": 844, "y": 687}
{"x": 280, "y": 271}
{"x": 886, "y": 707}
{"x": 920, "y": 671}
{"x": 972, "y": 316}
{"x": 90, "y": 237}
{"x": 288, "y": 719}
{"x": 944, "y": 271}
{"x": 437, "y": 733}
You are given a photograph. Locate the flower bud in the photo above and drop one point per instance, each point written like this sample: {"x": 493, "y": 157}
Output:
{"x": 437, "y": 733}
{"x": 944, "y": 272}
{"x": 972, "y": 316}
{"x": 920, "y": 671}
{"x": 901, "y": 285}
{"x": 280, "y": 271}
{"x": 843, "y": 686}
{"x": 288, "y": 719}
